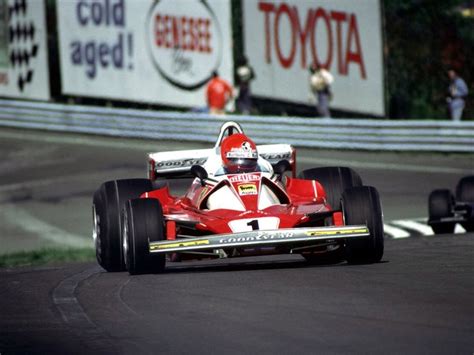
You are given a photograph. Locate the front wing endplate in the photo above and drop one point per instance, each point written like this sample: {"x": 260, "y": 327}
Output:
{"x": 260, "y": 238}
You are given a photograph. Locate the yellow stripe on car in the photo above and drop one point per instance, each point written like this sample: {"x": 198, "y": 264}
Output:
{"x": 337, "y": 232}
{"x": 179, "y": 244}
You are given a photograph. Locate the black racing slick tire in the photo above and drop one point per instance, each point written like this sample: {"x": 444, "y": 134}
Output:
{"x": 143, "y": 222}
{"x": 334, "y": 181}
{"x": 361, "y": 205}
{"x": 107, "y": 204}
{"x": 440, "y": 205}
{"x": 465, "y": 193}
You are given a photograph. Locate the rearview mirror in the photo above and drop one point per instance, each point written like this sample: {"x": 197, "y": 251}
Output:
{"x": 281, "y": 167}
{"x": 199, "y": 172}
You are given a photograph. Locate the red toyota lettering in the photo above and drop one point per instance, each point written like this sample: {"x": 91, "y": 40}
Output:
{"x": 286, "y": 62}
{"x": 344, "y": 42}
{"x": 354, "y": 56}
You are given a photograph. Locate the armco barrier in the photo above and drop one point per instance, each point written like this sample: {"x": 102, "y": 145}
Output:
{"x": 439, "y": 136}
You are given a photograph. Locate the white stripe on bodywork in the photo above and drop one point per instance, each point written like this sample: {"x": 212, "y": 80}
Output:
{"x": 315, "y": 189}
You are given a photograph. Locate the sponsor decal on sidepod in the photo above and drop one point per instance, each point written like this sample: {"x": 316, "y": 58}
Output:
{"x": 247, "y": 189}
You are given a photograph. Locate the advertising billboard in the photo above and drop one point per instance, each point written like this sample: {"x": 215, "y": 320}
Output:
{"x": 161, "y": 51}
{"x": 23, "y": 51}
{"x": 283, "y": 38}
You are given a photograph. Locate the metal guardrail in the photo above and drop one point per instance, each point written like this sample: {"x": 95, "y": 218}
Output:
{"x": 366, "y": 134}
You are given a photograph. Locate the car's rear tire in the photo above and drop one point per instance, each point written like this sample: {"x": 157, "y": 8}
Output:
{"x": 143, "y": 222}
{"x": 361, "y": 205}
{"x": 334, "y": 181}
{"x": 440, "y": 205}
{"x": 107, "y": 204}
{"x": 465, "y": 193}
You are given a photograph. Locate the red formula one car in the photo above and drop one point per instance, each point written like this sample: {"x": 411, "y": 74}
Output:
{"x": 240, "y": 203}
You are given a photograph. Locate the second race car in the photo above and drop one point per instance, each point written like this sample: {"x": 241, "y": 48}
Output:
{"x": 445, "y": 209}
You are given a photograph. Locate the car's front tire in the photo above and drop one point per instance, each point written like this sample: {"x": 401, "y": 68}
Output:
{"x": 465, "y": 193}
{"x": 107, "y": 204}
{"x": 440, "y": 205}
{"x": 142, "y": 222}
{"x": 361, "y": 205}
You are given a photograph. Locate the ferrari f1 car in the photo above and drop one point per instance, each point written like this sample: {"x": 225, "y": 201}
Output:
{"x": 240, "y": 203}
{"x": 446, "y": 209}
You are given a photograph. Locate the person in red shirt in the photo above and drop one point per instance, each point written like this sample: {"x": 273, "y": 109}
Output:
{"x": 219, "y": 92}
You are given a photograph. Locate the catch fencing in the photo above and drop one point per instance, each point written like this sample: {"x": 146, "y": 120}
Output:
{"x": 363, "y": 134}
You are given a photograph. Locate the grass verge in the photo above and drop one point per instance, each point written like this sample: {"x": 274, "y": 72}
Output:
{"x": 47, "y": 256}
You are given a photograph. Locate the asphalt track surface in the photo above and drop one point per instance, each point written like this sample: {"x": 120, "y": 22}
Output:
{"x": 417, "y": 300}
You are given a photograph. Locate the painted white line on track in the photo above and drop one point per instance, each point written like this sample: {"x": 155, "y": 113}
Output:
{"x": 413, "y": 225}
{"x": 458, "y": 229}
{"x": 394, "y": 232}
{"x": 65, "y": 300}
{"x": 19, "y": 217}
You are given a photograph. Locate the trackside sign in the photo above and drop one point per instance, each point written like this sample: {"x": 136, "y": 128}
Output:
{"x": 23, "y": 50}
{"x": 185, "y": 42}
{"x": 282, "y": 38}
{"x": 161, "y": 51}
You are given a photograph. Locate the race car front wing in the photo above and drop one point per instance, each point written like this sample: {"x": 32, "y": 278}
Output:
{"x": 260, "y": 238}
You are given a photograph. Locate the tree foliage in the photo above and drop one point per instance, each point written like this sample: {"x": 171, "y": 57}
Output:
{"x": 423, "y": 39}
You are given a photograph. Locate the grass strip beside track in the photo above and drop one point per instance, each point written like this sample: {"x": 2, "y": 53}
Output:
{"x": 47, "y": 256}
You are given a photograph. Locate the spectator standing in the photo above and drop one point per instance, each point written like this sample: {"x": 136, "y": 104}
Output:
{"x": 457, "y": 92}
{"x": 320, "y": 81}
{"x": 244, "y": 74}
{"x": 218, "y": 93}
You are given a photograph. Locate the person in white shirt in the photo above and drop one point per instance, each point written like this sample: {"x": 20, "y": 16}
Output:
{"x": 457, "y": 93}
{"x": 320, "y": 83}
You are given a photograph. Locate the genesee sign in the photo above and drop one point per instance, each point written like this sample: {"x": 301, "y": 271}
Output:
{"x": 151, "y": 51}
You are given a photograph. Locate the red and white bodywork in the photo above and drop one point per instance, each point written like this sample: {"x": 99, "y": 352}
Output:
{"x": 258, "y": 207}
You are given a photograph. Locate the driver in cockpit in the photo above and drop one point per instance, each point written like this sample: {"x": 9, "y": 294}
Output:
{"x": 239, "y": 154}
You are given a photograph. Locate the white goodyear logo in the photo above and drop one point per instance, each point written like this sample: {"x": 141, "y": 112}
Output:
{"x": 247, "y": 189}
{"x": 259, "y": 237}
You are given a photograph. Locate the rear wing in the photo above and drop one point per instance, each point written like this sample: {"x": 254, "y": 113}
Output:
{"x": 178, "y": 163}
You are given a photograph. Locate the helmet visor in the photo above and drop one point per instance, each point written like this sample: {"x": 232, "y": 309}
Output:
{"x": 242, "y": 165}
